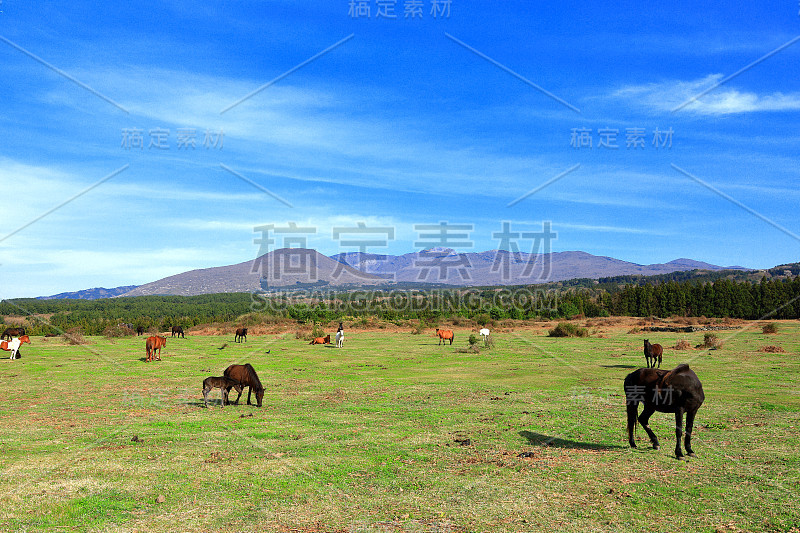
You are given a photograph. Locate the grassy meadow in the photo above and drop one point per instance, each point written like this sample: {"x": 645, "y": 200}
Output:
{"x": 394, "y": 433}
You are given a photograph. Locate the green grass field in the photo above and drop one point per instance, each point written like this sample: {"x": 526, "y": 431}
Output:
{"x": 395, "y": 433}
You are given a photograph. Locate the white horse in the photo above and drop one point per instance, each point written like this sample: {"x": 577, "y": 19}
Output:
{"x": 13, "y": 345}
{"x": 339, "y": 339}
{"x": 484, "y": 333}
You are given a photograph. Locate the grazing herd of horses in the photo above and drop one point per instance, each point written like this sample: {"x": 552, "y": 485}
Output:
{"x": 677, "y": 391}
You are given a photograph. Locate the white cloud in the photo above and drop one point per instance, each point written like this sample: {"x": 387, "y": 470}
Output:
{"x": 691, "y": 96}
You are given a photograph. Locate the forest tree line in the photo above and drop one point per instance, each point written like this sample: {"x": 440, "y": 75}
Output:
{"x": 768, "y": 298}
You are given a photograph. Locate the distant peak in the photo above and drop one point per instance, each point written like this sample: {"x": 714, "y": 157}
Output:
{"x": 438, "y": 249}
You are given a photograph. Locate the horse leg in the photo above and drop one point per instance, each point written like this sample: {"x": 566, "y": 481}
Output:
{"x": 239, "y": 390}
{"x": 224, "y": 392}
{"x": 678, "y": 433}
{"x": 632, "y": 408}
{"x": 689, "y": 428}
{"x": 659, "y": 361}
{"x": 249, "y": 390}
{"x": 205, "y": 396}
{"x": 644, "y": 419}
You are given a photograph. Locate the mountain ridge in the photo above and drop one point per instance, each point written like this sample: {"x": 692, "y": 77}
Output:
{"x": 288, "y": 268}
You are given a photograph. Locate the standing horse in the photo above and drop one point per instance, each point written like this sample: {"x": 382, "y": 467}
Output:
{"x": 139, "y": 330}
{"x": 177, "y": 330}
{"x": 241, "y": 333}
{"x": 246, "y": 375}
{"x": 12, "y": 332}
{"x": 153, "y": 344}
{"x": 676, "y": 391}
{"x": 651, "y": 353}
{"x": 13, "y": 346}
{"x": 445, "y": 334}
{"x": 340, "y": 338}
{"x": 224, "y": 384}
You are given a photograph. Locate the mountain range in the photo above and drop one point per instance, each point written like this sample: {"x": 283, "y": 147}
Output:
{"x": 305, "y": 268}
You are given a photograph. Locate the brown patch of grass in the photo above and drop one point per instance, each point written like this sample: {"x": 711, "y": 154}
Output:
{"x": 771, "y": 349}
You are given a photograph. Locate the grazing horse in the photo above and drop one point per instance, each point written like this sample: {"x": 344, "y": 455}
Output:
{"x": 177, "y": 331}
{"x": 321, "y": 340}
{"x": 676, "y": 391}
{"x": 340, "y": 338}
{"x": 484, "y": 332}
{"x": 651, "y": 353}
{"x": 223, "y": 383}
{"x": 13, "y": 346}
{"x": 444, "y": 335}
{"x": 153, "y": 344}
{"x": 241, "y": 333}
{"x": 139, "y": 330}
{"x": 12, "y": 332}
{"x": 246, "y": 375}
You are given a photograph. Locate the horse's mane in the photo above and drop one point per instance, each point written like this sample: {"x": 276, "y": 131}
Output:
{"x": 251, "y": 373}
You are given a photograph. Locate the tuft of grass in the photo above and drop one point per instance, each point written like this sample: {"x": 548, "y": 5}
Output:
{"x": 770, "y": 328}
{"x": 565, "y": 329}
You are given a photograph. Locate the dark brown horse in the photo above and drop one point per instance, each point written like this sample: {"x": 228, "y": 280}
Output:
{"x": 139, "y": 330}
{"x": 177, "y": 331}
{"x": 321, "y": 340}
{"x": 651, "y": 353}
{"x": 676, "y": 391}
{"x": 152, "y": 344}
{"x": 444, "y": 335}
{"x": 12, "y": 332}
{"x": 246, "y": 375}
{"x": 241, "y": 333}
{"x": 222, "y": 383}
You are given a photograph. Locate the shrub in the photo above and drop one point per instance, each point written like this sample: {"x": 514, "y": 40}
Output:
{"x": 473, "y": 340}
{"x": 683, "y": 345}
{"x": 770, "y": 328}
{"x": 419, "y": 328}
{"x": 74, "y": 336}
{"x": 564, "y": 329}
{"x": 710, "y": 340}
{"x": 489, "y": 342}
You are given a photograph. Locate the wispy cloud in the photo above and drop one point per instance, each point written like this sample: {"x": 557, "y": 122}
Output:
{"x": 667, "y": 95}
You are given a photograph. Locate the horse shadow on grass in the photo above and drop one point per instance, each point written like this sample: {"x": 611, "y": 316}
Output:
{"x": 537, "y": 439}
{"x": 619, "y": 366}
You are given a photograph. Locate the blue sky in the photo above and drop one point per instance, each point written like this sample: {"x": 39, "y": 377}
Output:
{"x": 396, "y": 122}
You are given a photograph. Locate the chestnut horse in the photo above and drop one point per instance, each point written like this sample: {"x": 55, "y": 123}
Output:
{"x": 676, "y": 391}
{"x": 321, "y": 340}
{"x": 241, "y": 333}
{"x": 444, "y": 335}
{"x": 246, "y": 376}
{"x": 651, "y": 353}
{"x": 13, "y": 346}
{"x": 153, "y": 344}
